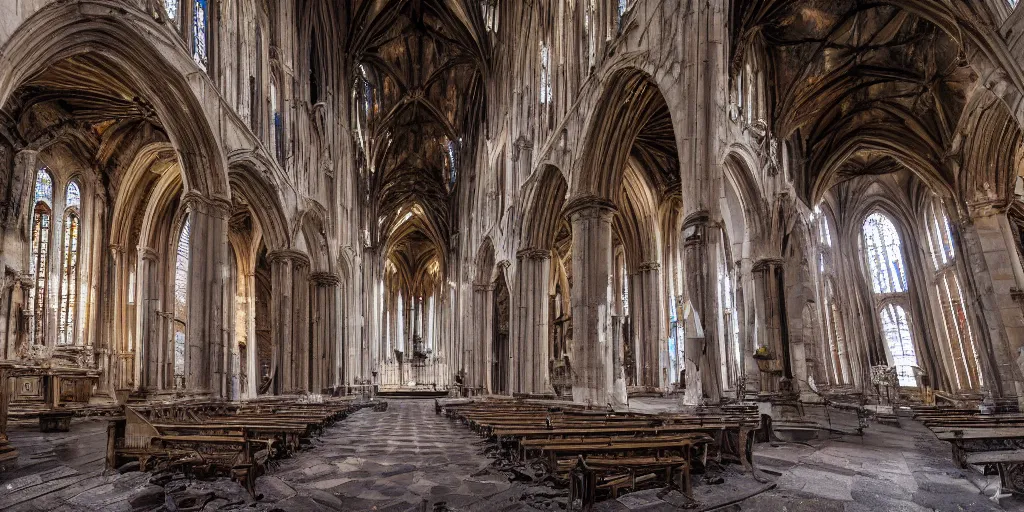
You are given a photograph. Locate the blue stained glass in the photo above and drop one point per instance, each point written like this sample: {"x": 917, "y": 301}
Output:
{"x": 74, "y": 196}
{"x": 44, "y": 187}
{"x": 199, "y": 39}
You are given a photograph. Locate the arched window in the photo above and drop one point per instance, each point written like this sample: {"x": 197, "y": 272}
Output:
{"x": 400, "y": 330}
{"x": 545, "y": 74}
{"x": 622, "y": 13}
{"x": 625, "y": 291}
{"x": 171, "y": 6}
{"x": 897, "y": 336}
{"x": 452, "y": 167}
{"x": 181, "y": 271}
{"x": 200, "y": 26}
{"x": 68, "y": 312}
{"x": 41, "y": 217}
{"x": 589, "y": 39}
{"x": 884, "y": 252}
{"x": 275, "y": 113}
{"x": 966, "y": 365}
{"x": 730, "y": 324}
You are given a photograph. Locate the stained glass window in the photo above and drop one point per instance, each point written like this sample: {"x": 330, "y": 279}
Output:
{"x": 897, "y": 336}
{"x": 40, "y": 261}
{"x": 278, "y": 127}
{"x": 452, "y": 169}
{"x": 69, "y": 279}
{"x": 625, "y": 291}
{"x": 200, "y": 24}
{"x": 171, "y": 6}
{"x": 181, "y": 268}
{"x": 824, "y": 233}
{"x": 73, "y": 198}
{"x": 588, "y": 36}
{"x": 966, "y": 366}
{"x": 44, "y": 187}
{"x": 545, "y": 74}
{"x": 622, "y": 12}
{"x": 884, "y": 253}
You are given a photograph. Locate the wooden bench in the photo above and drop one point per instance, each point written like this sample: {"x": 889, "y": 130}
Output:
{"x": 988, "y": 440}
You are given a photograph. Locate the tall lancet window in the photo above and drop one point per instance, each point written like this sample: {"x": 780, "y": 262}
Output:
{"x": 171, "y": 7}
{"x": 275, "y": 112}
{"x": 837, "y": 365}
{"x": 884, "y": 253}
{"x": 41, "y": 217}
{"x": 69, "y": 266}
{"x": 897, "y": 336}
{"x": 545, "y": 74}
{"x": 200, "y": 39}
{"x": 966, "y": 365}
{"x": 181, "y": 271}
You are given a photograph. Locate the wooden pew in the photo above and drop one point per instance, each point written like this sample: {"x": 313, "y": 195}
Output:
{"x": 989, "y": 440}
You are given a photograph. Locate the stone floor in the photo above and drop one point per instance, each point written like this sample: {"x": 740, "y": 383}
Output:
{"x": 410, "y": 459}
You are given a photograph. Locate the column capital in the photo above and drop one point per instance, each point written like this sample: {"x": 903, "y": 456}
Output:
{"x": 146, "y": 253}
{"x": 533, "y": 254}
{"x": 765, "y": 264}
{"x": 699, "y": 218}
{"x": 986, "y": 208}
{"x": 117, "y": 249}
{"x": 598, "y": 205}
{"x": 650, "y": 265}
{"x": 296, "y": 257}
{"x": 196, "y": 202}
{"x": 324, "y": 278}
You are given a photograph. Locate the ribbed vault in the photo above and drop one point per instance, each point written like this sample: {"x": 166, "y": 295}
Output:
{"x": 417, "y": 97}
{"x": 858, "y": 88}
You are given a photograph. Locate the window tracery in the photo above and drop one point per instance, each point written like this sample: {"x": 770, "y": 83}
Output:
{"x": 40, "y": 260}
{"x": 883, "y": 250}
{"x": 171, "y": 7}
{"x": 200, "y": 24}
{"x": 68, "y": 311}
{"x": 896, "y": 329}
{"x": 181, "y": 271}
{"x": 966, "y": 365}
{"x": 545, "y": 74}
{"x": 885, "y": 260}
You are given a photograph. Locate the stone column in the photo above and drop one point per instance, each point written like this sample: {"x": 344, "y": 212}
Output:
{"x": 480, "y": 349}
{"x": 703, "y": 361}
{"x": 206, "y": 370}
{"x": 252, "y": 376}
{"x": 117, "y": 321}
{"x": 300, "y": 324}
{"x": 324, "y": 330}
{"x": 530, "y": 322}
{"x": 651, "y": 359}
{"x": 13, "y": 216}
{"x": 997, "y": 279}
{"x": 280, "y": 310}
{"x": 766, "y": 282}
{"x": 592, "y": 272}
{"x": 147, "y": 323}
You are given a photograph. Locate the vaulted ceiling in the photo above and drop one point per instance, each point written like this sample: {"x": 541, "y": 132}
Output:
{"x": 418, "y": 93}
{"x": 858, "y": 88}
{"x": 82, "y": 108}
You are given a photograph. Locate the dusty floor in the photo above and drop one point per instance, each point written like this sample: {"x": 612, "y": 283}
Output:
{"x": 410, "y": 459}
